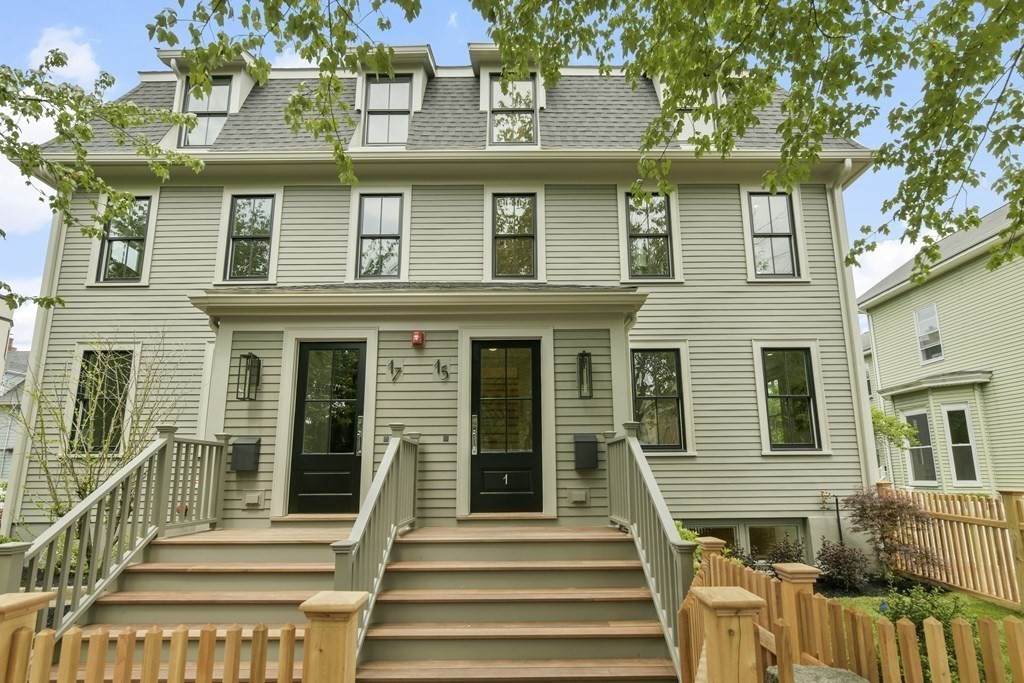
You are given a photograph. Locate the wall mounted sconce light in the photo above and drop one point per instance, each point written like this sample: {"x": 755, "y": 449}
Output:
{"x": 249, "y": 367}
{"x": 585, "y": 374}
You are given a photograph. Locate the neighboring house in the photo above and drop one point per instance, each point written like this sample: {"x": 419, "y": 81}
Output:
{"x": 11, "y": 391}
{"x": 947, "y": 358}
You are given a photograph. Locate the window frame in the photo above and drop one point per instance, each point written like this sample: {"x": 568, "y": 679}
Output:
{"x": 97, "y": 248}
{"x": 495, "y": 237}
{"x": 540, "y": 250}
{"x": 402, "y": 209}
{"x": 667, "y": 236}
{"x": 352, "y": 257}
{"x": 186, "y": 97}
{"x": 741, "y": 528}
{"x": 816, "y": 383}
{"x": 371, "y": 79}
{"x": 71, "y": 401}
{"x": 106, "y": 239}
{"x": 493, "y": 77}
{"x": 911, "y": 480}
{"x": 799, "y": 242}
{"x": 232, "y": 238}
{"x": 947, "y": 408}
{"x": 224, "y": 236}
{"x": 682, "y": 347}
{"x": 680, "y": 447}
{"x": 675, "y": 239}
{"x": 917, "y": 332}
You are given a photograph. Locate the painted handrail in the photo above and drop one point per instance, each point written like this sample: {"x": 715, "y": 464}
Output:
{"x": 172, "y": 484}
{"x": 635, "y": 503}
{"x": 389, "y": 508}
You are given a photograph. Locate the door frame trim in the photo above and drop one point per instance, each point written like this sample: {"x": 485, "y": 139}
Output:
{"x": 293, "y": 336}
{"x": 549, "y": 455}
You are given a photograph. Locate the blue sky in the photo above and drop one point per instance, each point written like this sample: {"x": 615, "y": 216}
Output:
{"x": 115, "y": 40}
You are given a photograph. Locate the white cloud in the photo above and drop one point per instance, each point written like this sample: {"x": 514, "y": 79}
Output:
{"x": 81, "y": 67}
{"x": 875, "y": 265}
{"x": 453, "y": 20}
{"x": 289, "y": 60}
{"x": 21, "y": 212}
{"x": 25, "y": 315}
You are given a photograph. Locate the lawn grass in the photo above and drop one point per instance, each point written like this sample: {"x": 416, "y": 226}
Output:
{"x": 974, "y": 607}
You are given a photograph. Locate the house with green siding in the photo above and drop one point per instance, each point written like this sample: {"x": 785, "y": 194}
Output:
{"x": 556, "y": 354}
{"x": 945, "y": 355}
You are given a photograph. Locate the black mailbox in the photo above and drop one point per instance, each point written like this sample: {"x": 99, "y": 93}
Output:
{"x": 245, "y": 454}
{"x": 585, "y": 449}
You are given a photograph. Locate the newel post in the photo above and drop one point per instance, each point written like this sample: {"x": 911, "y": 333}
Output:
{"x": 18, "y": 610}
{"x": 161, "y": 504}
{"x": 631, "y": 429}
{"x": 12, "y": 562}
{"x": 883, "y": 487}
{"x": 710, "y": 547}
{"x": 222, "y": 475}
{"x": 796, "y": 578}
{"x": 331, "y": 639}
{"x": 730, "y": 640}
{"x": 1013, "y": 524}
{"x": 344, "y": 564}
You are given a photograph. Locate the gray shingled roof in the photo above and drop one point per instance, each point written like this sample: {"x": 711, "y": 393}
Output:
{"x": 950, "y": 246}
{"x": 582, "y": 112}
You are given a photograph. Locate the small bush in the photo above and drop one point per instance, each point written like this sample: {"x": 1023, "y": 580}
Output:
{"x": 842, "y": 566}
{"x": 918, "y": 604}
{"x": 883, "y": 518}
{"x": 784, "y": 551}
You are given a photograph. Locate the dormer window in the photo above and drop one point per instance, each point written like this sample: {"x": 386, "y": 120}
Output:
{"x": 513, "y": 112}
{"x": 388, "y": 106}
{"x": 211, "y": 113}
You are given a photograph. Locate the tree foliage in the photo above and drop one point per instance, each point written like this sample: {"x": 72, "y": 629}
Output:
{"x": 893, "y": 430}
{"x": 886, "y": 520}
{"x": 37, "y": 96}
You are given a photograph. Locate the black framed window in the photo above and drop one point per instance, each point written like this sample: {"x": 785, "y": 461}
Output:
{"x": 513, "y": 112}
{"x": 658, "y": 399}
{"x": 929, "y": 339}
{"x": 249, "y": 236}
{"x": 789, "y": 395}
{"x": 211, "y": 113}
{"x": 774, "y": 235}
{"x": 124, "y": 244}
{"x": 388, "y": 106}
{"x": 922, "y": 456}
{"x": 100, "y": 401}
{"x": 515, "y": 235}
{"x": 650, "y": 236}
{"x": 380, "y": 235}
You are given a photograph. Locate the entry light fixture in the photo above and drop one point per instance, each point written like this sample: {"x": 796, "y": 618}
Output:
{"x": 249, "y": 367}
{"x": 585, "y": 374}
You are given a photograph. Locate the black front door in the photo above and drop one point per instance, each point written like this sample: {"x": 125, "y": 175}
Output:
{"x": 506, "y": 439}
{"x": 328, "y": 426}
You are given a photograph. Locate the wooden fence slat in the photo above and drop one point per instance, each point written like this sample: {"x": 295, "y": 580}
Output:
{"x": 821, "y": 627}
{"x": 935, "y": 645}
{"x": 887, "y": 652}
{"x": 179, "y": 653}
{"x": 286, "y": 655}
{"x": 124, "y": 656}
{"x": 783, "y": 652}
{"x": 966, "y": 658}
{"x": 95, "y": 664}
{"x": 205, "y": 655}
{"x": 867, "y": 643}
{"x": 991, "y": 651}
{"x": 909, "y": 652}
{"x": 232, "y": 654}
{"x": 152, "y": 651}
{"x": 1014, "y": 629}
{"x": 835, "y": 618}
{"x": 853, "y": 650}
{"x": 70, "y": 653}
{"x": 17, "y": 659}
{"x": 258, "y": 660}
{"x": 42, "y": 656}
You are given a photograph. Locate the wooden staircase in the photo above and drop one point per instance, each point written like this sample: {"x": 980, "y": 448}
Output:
{"x": 472, "y": 603}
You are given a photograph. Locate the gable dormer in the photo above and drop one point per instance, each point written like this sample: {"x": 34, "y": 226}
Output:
{"x": 513, "y": 112}
{"x": 386, "y": 105}
{"x": 231, "y": 86}
{"x": 691, "y": 124}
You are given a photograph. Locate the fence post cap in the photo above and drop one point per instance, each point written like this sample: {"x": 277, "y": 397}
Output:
{"x": 728, "y": 599}
{"x": 14, "y": 605}
{"x": 396, "y": 429}
{"x": 166, "y": 429}
{"x": 883, "y": 485}
{"x": 795, "y": 572}
{"x": 711, "y": 544}
{"x": 16, "y": 548}
{"x": 335, "y": 602}
{"x": 631, "y": 428}
{"x": 414, "y": 436}
{"x": 222, "y": 437}
{"x": 609, "y": 435}
{"x": 1011, "y": 492}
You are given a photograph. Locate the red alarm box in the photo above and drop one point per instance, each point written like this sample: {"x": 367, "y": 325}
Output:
{"x": 417, "y": 338}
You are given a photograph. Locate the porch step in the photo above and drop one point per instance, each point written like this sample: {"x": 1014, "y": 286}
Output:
{"x": 515, "y": 566}
{"x": 515, "y": 595}
{"x": 268, "y": 545}
{"x": 536, "y": 670}
{"x": 506, "y": 544}
{"x": 515, "y": 574}
{"x": 313, "y": 521}
{"x": 516, "y": 630}
{"x": 220, "y": 576}
{"x": 231, "y": 568}
{"x": 174, "y": 607}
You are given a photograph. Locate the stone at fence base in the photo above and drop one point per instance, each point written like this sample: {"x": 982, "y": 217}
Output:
{"x": 815, "y": 674}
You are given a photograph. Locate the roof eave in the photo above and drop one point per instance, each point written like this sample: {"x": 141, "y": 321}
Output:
{"x": 939, "y": 382}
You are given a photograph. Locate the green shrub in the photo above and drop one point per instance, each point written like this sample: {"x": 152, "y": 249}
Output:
{"x": 842, "y": 566}
{"x": 918, "y": 604}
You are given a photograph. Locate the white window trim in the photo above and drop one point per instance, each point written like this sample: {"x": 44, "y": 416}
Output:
{"x": 76, "y": 378}
{"x": 683, "y": 347}
{"x": 541, "y": 275}
{"x": 352, "y": 265}
{"x": 675, "y": 239}
{"x": 917, "y": 336}
{"x": 92, "y": 278}
{"x": 946, "y": 409}
{"x": 758, "y": 345}
{"x": 417, "y": 88}
{"x": 485, "y": 105}
{"x": 799, "y": 237}
{"x": 904, "y": 414}
{"x": 220, "y": 276}
{"x": 549, "y": 446}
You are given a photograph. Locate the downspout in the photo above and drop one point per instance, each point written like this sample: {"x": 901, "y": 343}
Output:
{"x": 33, "y": 378}
{"x": 878, "y": 386}
{"x": 854, "y": 352}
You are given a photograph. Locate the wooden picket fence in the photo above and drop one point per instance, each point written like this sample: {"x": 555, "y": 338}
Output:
{"x": 329, "y": 648}
{"x": 978, "y": 541}
{"x": 785, "y": 622}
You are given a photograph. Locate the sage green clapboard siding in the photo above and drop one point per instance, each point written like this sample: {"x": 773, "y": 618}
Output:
{"x": 314, "y": 234}
{"x": 447, "y": 239}
{"x": 159, "y": 315}
{"x": 981, "y": 326}
{"x": 581, "y": 224}
{"x": 718, "y": 313}
{"x": 254, "y": 418}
